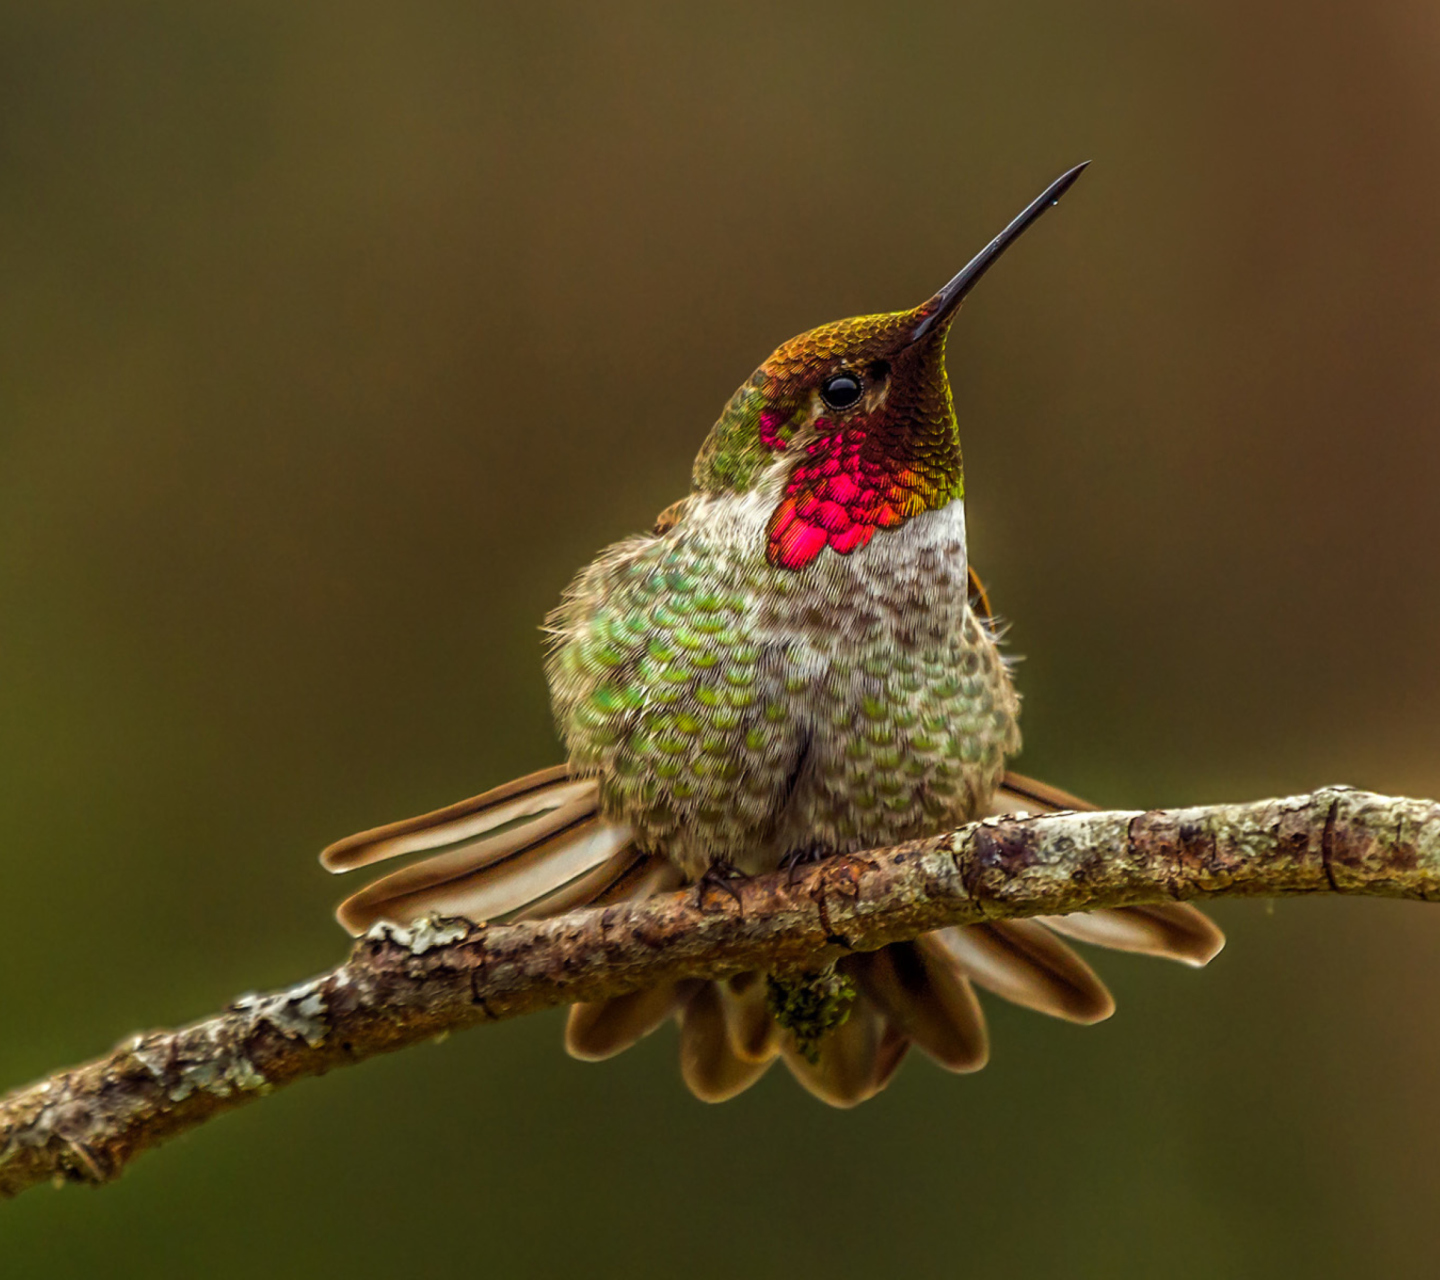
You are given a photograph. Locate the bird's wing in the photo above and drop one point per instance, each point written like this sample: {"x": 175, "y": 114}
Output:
{"x": 1172, "y": 930}
{"x": 536, "y": 846}
{"x": 979, "y": 597}
{"x": 671, "y": 516}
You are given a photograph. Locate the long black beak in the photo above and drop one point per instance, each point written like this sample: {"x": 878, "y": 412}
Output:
{"x": 943, "y": 304}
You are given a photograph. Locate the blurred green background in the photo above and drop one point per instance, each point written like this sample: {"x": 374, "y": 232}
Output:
{"x": 334, "y": 337}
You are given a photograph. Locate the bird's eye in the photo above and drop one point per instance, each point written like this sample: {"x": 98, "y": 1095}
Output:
{"x": 841, "y": 391}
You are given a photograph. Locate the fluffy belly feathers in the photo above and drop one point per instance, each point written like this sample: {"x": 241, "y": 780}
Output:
{"x": 735, "y": 711}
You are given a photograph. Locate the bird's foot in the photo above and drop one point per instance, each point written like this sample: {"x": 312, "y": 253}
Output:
{"x": 719, "y": 877}
{"x": 798, "y": 859}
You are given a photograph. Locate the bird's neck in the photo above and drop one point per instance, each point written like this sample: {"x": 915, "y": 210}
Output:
{"x": 915, "y": 574}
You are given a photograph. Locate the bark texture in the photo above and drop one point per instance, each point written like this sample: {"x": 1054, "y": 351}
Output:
{"x": 401, "y": 986}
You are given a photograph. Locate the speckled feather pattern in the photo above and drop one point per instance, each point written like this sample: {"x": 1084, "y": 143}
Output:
{"x": 789, "y": 664}
{"x": 736, "y": 711}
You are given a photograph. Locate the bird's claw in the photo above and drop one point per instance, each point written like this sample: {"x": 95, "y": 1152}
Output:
{"x": 797, "y": 859}
{"x": 719, "y": 876}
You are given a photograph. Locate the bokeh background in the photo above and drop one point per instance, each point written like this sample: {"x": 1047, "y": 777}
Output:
{"x": 335, "y": 336}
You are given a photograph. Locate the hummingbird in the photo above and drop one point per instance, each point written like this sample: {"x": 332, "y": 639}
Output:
{"x": 796, "y": 661}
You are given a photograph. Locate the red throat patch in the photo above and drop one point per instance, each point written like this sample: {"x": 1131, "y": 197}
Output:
{"x": 838, "y": 498}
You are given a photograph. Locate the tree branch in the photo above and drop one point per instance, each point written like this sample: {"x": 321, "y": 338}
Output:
{"x": 403, "y": 986}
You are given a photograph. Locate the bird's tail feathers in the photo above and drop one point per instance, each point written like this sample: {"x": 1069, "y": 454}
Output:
{"x": 539, "y": 846}
{"x": 536, "y": 846}
{"x": 1170, "y": 930}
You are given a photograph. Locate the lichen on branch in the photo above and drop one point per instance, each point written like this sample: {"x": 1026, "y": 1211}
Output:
{"x": 402, "y": 986}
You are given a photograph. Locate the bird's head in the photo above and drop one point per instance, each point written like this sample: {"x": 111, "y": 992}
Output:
{"x": 851, "y": 425}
